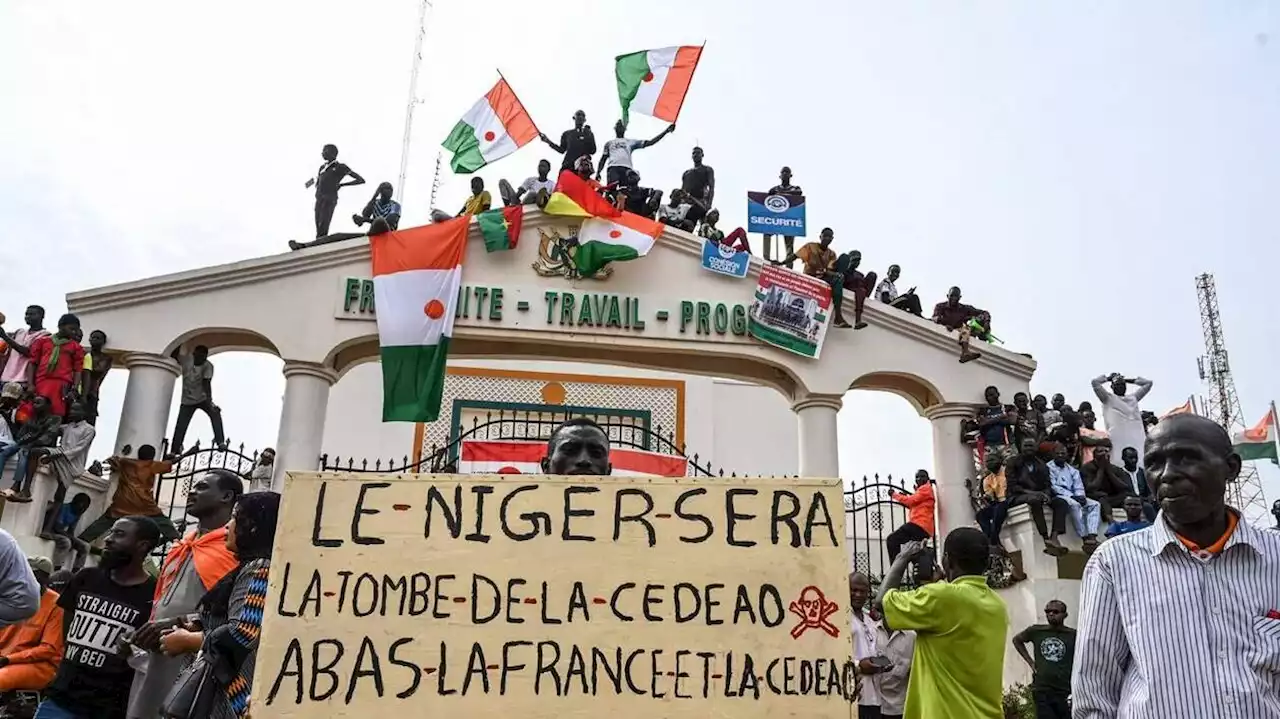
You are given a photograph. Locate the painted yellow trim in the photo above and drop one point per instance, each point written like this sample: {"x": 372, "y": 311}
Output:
{"x": 678, "y": 385}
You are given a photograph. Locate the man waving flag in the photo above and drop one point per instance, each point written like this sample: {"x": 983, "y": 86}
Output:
{"x": 493, "y": 128}
{"x": 654, "y": 82}
{"x": 607, "y": 233}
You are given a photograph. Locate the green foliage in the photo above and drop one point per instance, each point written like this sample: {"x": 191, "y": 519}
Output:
{"x": 1017, "y": 702}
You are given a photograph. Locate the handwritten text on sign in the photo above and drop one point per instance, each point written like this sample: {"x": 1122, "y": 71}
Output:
{"x": 552, "y": 597}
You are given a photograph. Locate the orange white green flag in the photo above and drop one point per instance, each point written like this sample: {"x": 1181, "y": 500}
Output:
{"x": 655, "y": 82}
{"x": 607, "y": 234}
{"x": 493, "y": 128}
{"x": 1259, "y": 441}
{"x": 416, "y": 277}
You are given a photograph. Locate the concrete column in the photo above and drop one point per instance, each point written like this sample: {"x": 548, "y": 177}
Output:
{"x": 819, "y": 448}
{"x": 147, "y": 396}
{"x": 306, "y": 402}
{"x": 952, "y": 465}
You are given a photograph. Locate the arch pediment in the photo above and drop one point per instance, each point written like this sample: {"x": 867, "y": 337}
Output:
{"x": 663, "y": 310}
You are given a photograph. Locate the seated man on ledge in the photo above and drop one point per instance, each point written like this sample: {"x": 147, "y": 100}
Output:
{"x": 956, "y": 317}
{"x": 736, "y": 240}
{"x": 382, "y": 213}
{"x": 887, "y": 292}
{"x": 820, "y": 261}
{"x": 30, "y": 651}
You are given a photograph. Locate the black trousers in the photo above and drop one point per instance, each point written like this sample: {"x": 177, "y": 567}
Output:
{"x": 1057, "y": 505}
{"x": 908, "y": 303}
{"x": 866, "y": 712}
{"x": 324, "y": 213}
{"x": 991, "y": 519}
{"x": 1051, "y": 704}
{"x": 906, "y": 533}
{"x": 185, "y": 413}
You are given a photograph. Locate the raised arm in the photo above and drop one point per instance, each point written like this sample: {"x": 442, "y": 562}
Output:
{"x": 1102, "y": 651}
{"x": 1144, "y": 386}
{"x": 646, "y": 143}
{"x": 1099, "y": 387}
{"x": 542, "y": 136}
{"x": 604, "y": 157}
{"x": 24, "y": 350}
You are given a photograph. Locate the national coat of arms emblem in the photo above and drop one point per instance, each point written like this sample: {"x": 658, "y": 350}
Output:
{"x": 556, "y": 251}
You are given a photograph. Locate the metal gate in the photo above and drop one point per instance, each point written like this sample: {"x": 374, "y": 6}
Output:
{"x": 171, "y": 488}
{"x": 528, "y": 425}
{"x": 870, "y": 517}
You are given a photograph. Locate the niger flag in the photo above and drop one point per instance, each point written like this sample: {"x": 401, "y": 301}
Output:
{"x": 607, "y": 234}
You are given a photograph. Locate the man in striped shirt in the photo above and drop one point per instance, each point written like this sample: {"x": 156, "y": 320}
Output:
{"x": 1182, "y": 619}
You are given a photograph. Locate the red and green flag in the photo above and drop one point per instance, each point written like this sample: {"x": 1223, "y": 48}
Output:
{"x": 501, "y": 227}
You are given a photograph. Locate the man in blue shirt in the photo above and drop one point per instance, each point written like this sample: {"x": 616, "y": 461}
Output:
{"x": 1134, "y": 521}
{"x": 64, "y": 532}
{"x": 1067, "y": 484}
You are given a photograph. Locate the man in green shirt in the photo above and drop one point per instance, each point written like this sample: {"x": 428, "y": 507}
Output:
{"x": 960, "y": 625}
{"x": 1055, "y": 645}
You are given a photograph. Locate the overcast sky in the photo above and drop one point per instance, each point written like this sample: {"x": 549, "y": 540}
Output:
{"x": 1071, "y": 165}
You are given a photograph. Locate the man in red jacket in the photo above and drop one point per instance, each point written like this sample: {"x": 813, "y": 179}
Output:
{"x": 919, "y": 524}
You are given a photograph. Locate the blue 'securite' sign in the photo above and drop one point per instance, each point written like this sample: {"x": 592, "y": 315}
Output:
{"x": 775, "y": 214}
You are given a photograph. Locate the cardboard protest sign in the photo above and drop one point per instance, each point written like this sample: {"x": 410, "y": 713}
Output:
{"x": 534, "y": 596}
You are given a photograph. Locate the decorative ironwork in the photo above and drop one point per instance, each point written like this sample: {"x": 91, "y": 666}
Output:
{"x": 532, "y": 426}
{"x": 870, "y": 517}
{"x": 171, "y": 488}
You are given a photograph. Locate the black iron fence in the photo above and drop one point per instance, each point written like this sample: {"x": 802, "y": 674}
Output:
{"x": 503, "y": 425}
{"x": 171, "y": 488}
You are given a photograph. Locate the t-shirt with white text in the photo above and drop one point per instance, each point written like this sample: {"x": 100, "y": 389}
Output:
{"x": 93, "y": 678}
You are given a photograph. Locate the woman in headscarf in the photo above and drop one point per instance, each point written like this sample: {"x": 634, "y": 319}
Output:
{"x": 231, "y": 612}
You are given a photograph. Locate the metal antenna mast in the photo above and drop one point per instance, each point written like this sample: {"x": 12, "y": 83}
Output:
{"x": 413, "y": 98}
{"x": 435, "y": 181}
{"x": 1222, "y": 404}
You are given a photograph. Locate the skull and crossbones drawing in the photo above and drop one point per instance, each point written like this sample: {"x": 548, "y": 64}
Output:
{"x": 814, "y": 611}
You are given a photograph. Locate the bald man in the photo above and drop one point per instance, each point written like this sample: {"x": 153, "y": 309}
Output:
{"x": 1199, "y": 572}
{"x": 866, "y": 650}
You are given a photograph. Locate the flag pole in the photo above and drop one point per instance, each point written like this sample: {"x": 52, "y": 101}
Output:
{"x": 518, "y": 101}
{"x": 1275, "y": 430}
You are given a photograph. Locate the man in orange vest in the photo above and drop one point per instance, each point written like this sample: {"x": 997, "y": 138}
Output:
{"x": 30, "y": 651}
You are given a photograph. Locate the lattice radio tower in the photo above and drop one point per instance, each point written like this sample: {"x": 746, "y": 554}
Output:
{"x": 1222, "y": 404}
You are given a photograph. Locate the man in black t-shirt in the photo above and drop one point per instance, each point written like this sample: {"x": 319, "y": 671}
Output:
{"x": 328, "y": 181}
{"x": 575, "y": 143}
{"x": 1055, "y": 647}
{"x": 102, "y": 607}
{"x": 699, "y": 182}
{"x": 784, "y": 187}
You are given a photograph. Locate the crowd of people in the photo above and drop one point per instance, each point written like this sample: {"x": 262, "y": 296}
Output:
{"x": 689, "y": 207}
{"x": 1055, "y": 459}
{"x": 117, "y": 641}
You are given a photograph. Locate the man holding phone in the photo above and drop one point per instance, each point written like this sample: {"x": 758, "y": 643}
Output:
{"x": 866, "y": 646}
